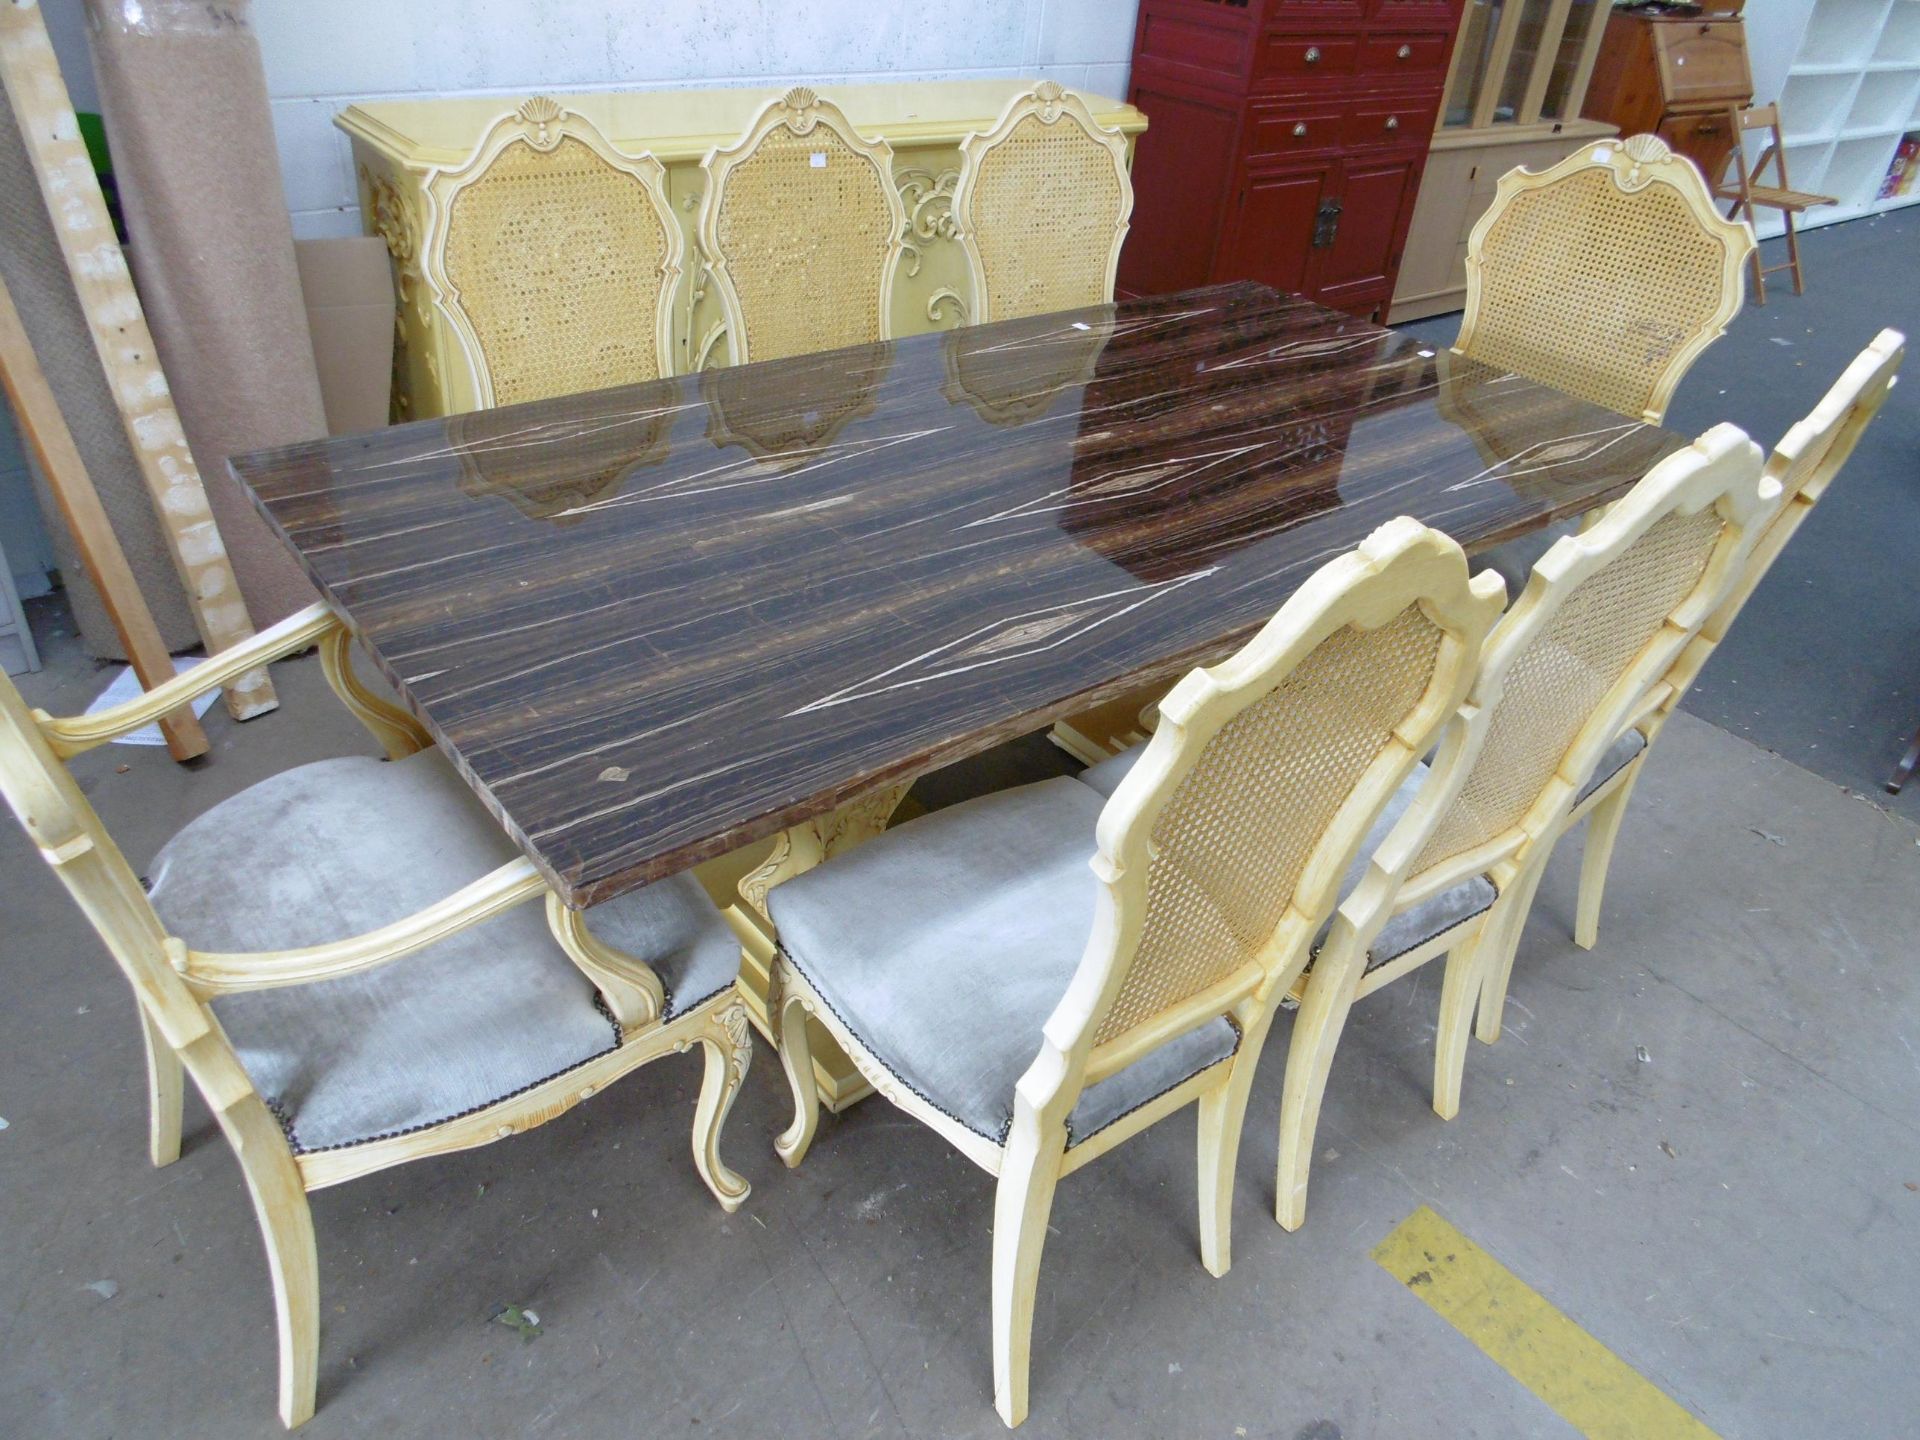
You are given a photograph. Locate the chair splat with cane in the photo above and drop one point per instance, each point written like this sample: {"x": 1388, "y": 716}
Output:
{"x": 801, "y": 230}
{"x": 1041, "y": 207}
{"x": 1604, "y": 276}
{"x": 558, "y": 260}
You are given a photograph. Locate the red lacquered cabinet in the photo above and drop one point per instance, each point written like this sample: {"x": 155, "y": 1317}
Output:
{"x": 1285, "y": 144}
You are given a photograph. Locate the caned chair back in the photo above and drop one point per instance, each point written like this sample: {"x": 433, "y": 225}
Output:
{"x": 559, "y": 261}
{"x": 1223, "y": 849}
{"x": 1604, "y": 276}
{"x": 1603, "y": 615}
{"x": 801, "y": 229}
{"x": 1803, "y": 464}
{"x": 1041, "y": 207}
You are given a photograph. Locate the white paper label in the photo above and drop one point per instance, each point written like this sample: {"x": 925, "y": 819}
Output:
{"x": 1081, "y": 325}
{"x": 818, "y": 159}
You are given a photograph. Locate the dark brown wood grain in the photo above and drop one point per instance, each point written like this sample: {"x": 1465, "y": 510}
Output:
{"x": 656, "y": 623}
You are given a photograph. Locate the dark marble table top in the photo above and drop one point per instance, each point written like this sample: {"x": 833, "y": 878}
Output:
{"x": 656, "y": 623}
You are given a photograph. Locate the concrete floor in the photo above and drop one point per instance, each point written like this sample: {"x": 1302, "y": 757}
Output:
{"x": 1736, "y": 1215}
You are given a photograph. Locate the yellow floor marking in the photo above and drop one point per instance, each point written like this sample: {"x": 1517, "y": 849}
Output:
{"x": 1591, "y": 1388}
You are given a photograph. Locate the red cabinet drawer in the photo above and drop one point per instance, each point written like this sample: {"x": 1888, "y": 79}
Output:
{"x": 1305, "y": 56}
{"x": 1293, "y": 128}
{"x": 1401, "y": 120}
{"x": 1413, "y": 53}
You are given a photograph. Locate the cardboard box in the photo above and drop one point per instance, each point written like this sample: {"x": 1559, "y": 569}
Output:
{"x": 347, "y": 283}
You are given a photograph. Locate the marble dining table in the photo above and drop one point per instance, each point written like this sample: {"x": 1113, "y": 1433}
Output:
{"x": 653, "y": 624}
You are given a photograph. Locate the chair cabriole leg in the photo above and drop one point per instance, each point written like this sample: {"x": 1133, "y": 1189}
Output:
{"x": 728, "y": 1051}
{"x": 789, "y": 1015}
{"x": 1603, "y": 828}
{"x": 1223, "y": 1111}
{"x": 1029, "y": 1174}
{"x": 1459, "y": 988}
{"x": 1498, "y": 942}
{"x": 1331, "y": 986}
{"x": 286, "y": 1227}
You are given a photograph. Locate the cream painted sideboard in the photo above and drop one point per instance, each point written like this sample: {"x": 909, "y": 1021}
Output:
{"x": 398, "y": 144}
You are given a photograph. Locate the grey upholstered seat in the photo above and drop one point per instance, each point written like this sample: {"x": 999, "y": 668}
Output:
{"x": 1411, "y": 927}
{"x": 945, "y": 943}
{"x": 326, "y": 851}
{"x": 1613, "y": 761}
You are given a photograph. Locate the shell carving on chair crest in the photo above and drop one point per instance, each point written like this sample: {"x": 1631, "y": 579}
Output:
{"x": 540, "y": 115}
{"x": 1049, "y": 94}
{"x": 801, "y": 105}
{"x": 1642, "y": 150}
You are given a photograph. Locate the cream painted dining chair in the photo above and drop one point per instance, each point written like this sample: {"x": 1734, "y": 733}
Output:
{"x": 801, "y": 230}
{"x": 558, "y": 264}
{"x": 1803, "y": 464}
{"x": 1453, "y": 858}
{"x": 1041, "y": 973}
{"x": 1041, "y": 207}
{"x": 343, "y": 960}
{"x": 1604, "y": 276}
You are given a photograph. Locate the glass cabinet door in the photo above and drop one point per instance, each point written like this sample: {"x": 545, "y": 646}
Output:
{"x": 1517, "y": 75}
{"x": 1517, "y": 61}
{"x": 1479, "y": 25}
{"x": 1584, "y": 20}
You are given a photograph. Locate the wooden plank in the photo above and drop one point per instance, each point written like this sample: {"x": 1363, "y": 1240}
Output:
{"x": 51, "y": 134}
{"x": 46, "y": 431}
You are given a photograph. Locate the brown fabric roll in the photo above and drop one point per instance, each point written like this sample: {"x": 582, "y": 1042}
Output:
{"x": 36, "y": 276}
{"x": 185, "y": 104}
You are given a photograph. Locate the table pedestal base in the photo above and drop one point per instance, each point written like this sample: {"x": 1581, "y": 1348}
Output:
{"x": 739, "y": 884}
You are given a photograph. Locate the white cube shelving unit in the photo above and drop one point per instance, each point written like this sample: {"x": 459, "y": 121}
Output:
{"x": 1850, "y": 95}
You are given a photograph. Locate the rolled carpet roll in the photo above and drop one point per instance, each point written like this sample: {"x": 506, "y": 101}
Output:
{"x": 188, "y": 121}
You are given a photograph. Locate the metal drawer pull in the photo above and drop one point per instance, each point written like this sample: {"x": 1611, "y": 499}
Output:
{"x": 1300, "y": 127}
{"x": 1403, "y": 52}
{"x": 1393, "y": 122}
{"x": 1313, "y": 54}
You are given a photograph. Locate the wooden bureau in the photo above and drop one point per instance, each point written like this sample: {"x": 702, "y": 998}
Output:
{"x": 398, "y": 144}
{"x": 1674, "y": 77}
{"x": 1288, "y": 141}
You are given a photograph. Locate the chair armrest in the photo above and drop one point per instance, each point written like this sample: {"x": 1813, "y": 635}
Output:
{"x": 210, "y": 973}
{"x": 72, "y": 735}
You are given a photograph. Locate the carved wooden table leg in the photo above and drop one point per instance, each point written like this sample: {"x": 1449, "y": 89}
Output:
{"x": 794, "y": 852}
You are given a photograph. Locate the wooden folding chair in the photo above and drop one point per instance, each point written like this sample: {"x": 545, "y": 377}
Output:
{"x": 1753, "y": 190}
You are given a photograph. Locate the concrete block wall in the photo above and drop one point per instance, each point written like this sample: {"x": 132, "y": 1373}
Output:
{"x": 322, "y": 55}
